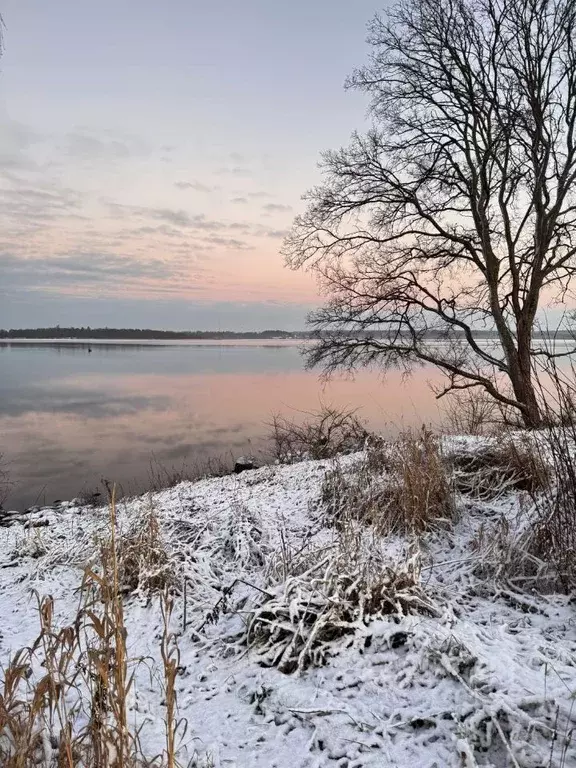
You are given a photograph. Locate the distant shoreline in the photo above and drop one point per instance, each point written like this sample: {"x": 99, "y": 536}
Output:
{"x": 93, "y": 335}
{"x": 145, "y": 342}
{"x": 58, "y": 333}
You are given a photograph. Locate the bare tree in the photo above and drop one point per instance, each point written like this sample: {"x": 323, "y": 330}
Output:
{"x": 456, "y": 212}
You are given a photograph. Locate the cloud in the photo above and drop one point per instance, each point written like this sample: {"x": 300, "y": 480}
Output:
{"x": 238, "y": 171}
{"x": 78, "y": 145}
{"x": 15, "y": 141}
{"x": 162, "y": 230}
{"x": 30, "y": 205}
{"x": 87, "y": 145}
{"x": 276, "y": 234}
{"x": 239, "y": 200}
{"x": 227, "y": 242}
{"x": 276, "y": 208}
{"x": 178, "y": 218}
{"x": 259, "y": 195}
{"x": 77, "y": 269}
{"x": 195, "y": 185}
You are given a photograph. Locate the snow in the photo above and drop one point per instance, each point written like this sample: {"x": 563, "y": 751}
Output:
{"x": 483, "y": 678}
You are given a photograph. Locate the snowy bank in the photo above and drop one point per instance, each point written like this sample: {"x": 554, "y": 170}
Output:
{"x": 455, "y": 668}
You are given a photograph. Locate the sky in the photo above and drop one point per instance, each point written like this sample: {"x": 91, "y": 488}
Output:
{"x": 152, "y": 156}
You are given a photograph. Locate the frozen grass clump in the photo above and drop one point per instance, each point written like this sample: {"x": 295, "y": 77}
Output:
{"x": 65, "y": 701}
{"x": 494, "y": 467}
{"x": 331, "y": 593}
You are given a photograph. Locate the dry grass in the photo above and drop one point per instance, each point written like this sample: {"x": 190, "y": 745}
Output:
{"x": 506, "y": 556}
{"x": 321, "y": 435}
{"x": 171, "y": 664}
{"x": 64, "y": 700}
{"x": 6, "y": 484}
{"x": 329, "y": 595}
{"x": 404, "y": 489}
{"x": 143, "y": 563}
{"x": 318, "y": 597}
{"x": 162, "y": 476}
{"x": 554, "y": 529}
{"x": 538, "y": 549}
{"x": 514, "y": 462}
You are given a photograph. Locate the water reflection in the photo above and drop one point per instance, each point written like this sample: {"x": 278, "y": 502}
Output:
{"x": 69, "y": 418}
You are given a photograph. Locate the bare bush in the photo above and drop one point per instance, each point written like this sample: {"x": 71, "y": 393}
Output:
{"x": 162, "y": 476}
{"x": 91, "y": 497}
{"x": 554, "y": 533}
{"x": 538, "y": 548}
{"x": 321, "y": 435}
{"x": 473, "y": 412}
{"x": 549, "y": 541}
{"x": 505, "y": 550}
{"x": 403, "y": 489}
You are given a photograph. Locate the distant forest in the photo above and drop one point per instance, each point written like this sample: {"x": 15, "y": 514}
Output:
{"x": 148, "y": 333}
{"x": 138, "y": 333}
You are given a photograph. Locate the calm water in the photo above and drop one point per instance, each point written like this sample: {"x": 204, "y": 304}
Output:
{"x": 69, "y": 418}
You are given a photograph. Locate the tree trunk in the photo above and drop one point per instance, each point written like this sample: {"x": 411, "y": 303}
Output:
{"x": 526, "y": 396}
{"x": 523, "y": 385}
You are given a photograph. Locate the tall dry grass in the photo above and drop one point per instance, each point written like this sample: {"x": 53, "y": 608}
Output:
{"x": 6, "y": 484}
{"x": 64, "y": 700}
{"x": 400, "y": 488}
{"x": 140, "y": 557}
{"x": 554, "y": 529}
{"x": 537, "y": 549}
{"x": 162, "y": 475}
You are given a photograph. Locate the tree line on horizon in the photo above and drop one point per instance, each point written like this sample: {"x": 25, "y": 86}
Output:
{"x": 57, "y": 332}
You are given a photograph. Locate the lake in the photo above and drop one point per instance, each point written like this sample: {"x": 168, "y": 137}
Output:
{"x": 127, "y": 412}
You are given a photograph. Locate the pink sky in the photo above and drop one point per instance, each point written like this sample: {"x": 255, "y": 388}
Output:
{"x": 152, "y": 157}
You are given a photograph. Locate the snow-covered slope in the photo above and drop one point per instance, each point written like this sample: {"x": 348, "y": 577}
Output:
{"x": 484, "y": 675}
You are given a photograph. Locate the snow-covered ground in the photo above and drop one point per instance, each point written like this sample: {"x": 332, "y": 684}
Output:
{"x": 485, "y": 676}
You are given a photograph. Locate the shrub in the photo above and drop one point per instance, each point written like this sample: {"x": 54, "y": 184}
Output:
{"x": 404, "y": 488}
{"x": 162, "y": 476}
{"x": 6, "y": 484}
{"x": 472, "y": 412}
{"x": 506, "y": 552}
{"x": 322, "y": 435}
{"x": 554, "y": 529}
{"x": 539, "y": 547}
